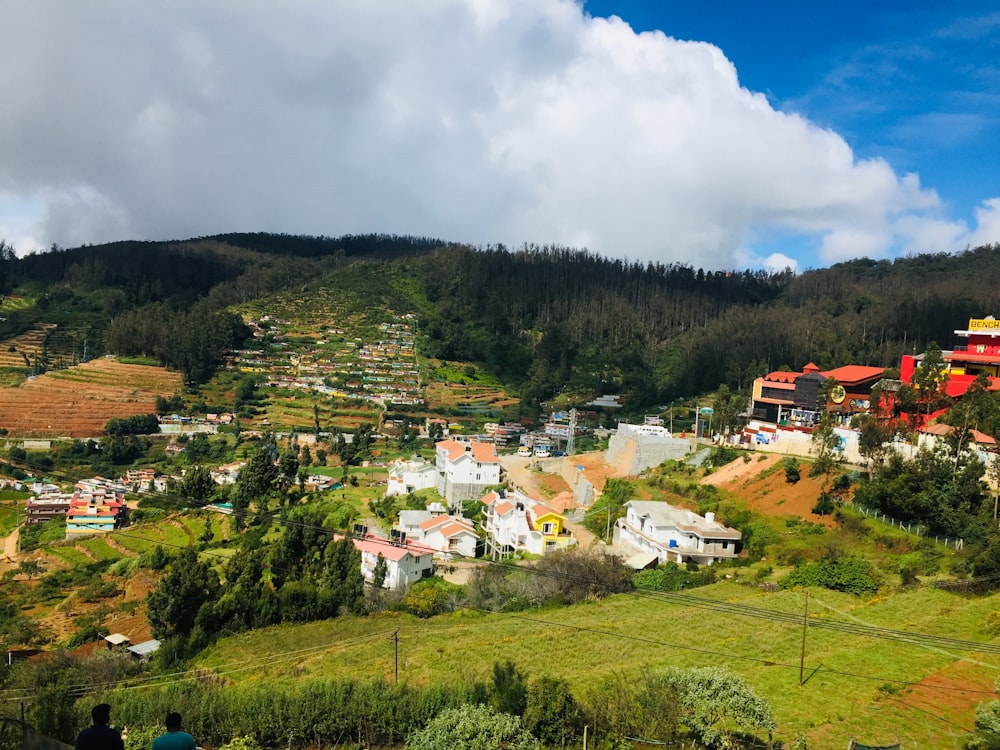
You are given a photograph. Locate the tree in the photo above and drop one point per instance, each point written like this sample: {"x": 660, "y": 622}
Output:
{"x": 173, "y": 606}
{"x": 645, "y": 706}
{"x": 381, "y": 568}
{"x": 728, "y": 409}
{"x": 552, "y": 714}
{"x": 256, "y": 479}
{"x": 510, "y": 689}
{"x": 712, "y": 699}
{"x": 873, "y": 439}
{"x": 926, "y": 393}
{"x": 473, "y": 728}
{"x": 207, "y": 535}
{"x": 30, "y": 568}
{"x": 826, "y": 445}
{"x": 987, "y": 734}
{"x": 197, "y": 485}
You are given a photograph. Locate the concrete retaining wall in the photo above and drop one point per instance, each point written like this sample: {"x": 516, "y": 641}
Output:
{"x": 633, "y": 455}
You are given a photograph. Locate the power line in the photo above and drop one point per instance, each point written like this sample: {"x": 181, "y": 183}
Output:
{"x": 673, "y": 597}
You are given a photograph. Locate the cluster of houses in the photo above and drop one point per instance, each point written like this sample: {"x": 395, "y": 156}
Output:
{"x": 96, "y": 505}
{"x": 384, "y": 371}
{"x": 462, "y": 471}
{"x": 650, "y": 533}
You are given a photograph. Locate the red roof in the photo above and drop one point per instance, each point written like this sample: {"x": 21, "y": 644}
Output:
{"x": 849, "y": 375}
{"x": 376, "y": 545}
{"x": 483, "y": 453}
{"x": 780, "y": 376}
{"x": 940, "y": 429}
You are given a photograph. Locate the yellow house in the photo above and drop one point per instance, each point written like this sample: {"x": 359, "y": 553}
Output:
{"x": 517, "y": 523}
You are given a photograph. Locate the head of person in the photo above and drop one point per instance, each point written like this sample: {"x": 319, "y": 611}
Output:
{"x": 173, "y": 722}
{"x": 101, "y": 714}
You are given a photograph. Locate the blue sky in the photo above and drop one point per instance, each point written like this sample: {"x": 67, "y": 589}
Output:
{"x": 717, "y": 134}
{"x": 916, "y": 83}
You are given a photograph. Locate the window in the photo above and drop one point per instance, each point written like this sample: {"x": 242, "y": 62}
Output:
{"x": 548, "y": 528}
{"x": 725, "y": 545}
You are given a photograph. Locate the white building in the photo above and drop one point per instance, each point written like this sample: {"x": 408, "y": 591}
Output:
{"x": 411, "y": 475}
{"x": 517, "y": 523}
{"x": 410, "y": 520}
{"x": 450, "y": 536}
{"x": 406, "y": 562}
{"x": 674, "y": 534}
{"x": 465, "y": 469}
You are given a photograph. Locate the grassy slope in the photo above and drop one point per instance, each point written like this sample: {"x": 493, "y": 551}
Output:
{"x": 852, "y": 690}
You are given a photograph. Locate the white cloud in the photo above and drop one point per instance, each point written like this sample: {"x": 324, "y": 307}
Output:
{"x": 988, "y": 224}
{"x": 471, "y": 120}
{"x": 778, "y": 262}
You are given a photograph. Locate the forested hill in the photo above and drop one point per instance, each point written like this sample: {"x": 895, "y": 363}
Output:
{"x": 545, "y": 319}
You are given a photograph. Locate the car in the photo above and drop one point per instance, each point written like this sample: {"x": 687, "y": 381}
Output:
{"x": 524, "y": 451}
{"x": 542, "y": 453}
{"x": 558, "y": 454}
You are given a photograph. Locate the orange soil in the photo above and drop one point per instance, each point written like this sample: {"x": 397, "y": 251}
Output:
{"x": 771, "y": 494}
{"x": 79, "y": 401}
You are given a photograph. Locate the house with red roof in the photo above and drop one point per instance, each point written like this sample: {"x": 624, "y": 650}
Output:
{"x": 465, "y": 468}
{"x": 515, "y": 522}
{"x": 406, "y": 561}
{"x": 95, "y": 512}
{"x": 450, "y": 536}
{"x": 794, "y": 398}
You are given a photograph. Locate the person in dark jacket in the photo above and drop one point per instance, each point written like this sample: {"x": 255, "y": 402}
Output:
{"x": 100, "y": 736}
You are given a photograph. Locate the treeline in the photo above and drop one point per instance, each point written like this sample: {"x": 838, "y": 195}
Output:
{"x": 140, "y": 424}
{"x": 548, "y": 318}
{"x": 699, "y": 707}
{"x": 544, "y": 319}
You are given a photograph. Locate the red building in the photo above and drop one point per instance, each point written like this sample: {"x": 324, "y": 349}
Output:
{"x": 978, "y": 353}
{"x": 793, "y": 398}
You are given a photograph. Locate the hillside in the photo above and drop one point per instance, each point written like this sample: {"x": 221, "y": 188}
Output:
{"x": 79, "y": 401}
{"x": 541, "y": 321}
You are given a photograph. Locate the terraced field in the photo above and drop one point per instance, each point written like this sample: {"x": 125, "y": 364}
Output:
{"x": 78, "y": 402}
{"x": 19, "y": 352}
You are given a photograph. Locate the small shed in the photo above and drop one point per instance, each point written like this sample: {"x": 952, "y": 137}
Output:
{"x": 142, "y": 651}
{"x": 116, "y": 640}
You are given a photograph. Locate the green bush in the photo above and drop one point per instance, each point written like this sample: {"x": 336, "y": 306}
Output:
{"x": 852, "y": 575}
{"x": 792, "y": 472}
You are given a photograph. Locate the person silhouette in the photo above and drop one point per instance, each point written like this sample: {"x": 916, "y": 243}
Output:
{"x": 100, "y": 736}
{"x": 174, "y": 738}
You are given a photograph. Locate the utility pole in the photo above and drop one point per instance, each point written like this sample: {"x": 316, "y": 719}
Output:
{"x": 395, "y": 641}
{"x": 802, "y": 655}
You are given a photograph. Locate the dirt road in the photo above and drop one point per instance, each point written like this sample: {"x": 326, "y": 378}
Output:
{"x": 539, "y": 484}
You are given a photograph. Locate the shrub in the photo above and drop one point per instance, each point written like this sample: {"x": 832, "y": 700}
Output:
{"x": 792, "y": 473}
{"x": 852, "y": 575}
{"x": 825, "y": 505}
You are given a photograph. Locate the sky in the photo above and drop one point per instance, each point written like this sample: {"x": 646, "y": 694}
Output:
{"x": 720, "y": 135}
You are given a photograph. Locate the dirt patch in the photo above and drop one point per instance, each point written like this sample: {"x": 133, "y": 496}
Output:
{"x": 79, "y": 401}
{"x": 761, "y": 484}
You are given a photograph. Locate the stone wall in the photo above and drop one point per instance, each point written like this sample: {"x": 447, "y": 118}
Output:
{"x": 632, "y": 455}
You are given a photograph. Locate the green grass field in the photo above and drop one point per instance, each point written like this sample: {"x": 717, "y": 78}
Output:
{"x": 856, "y": 686}
{"x": 98, "y": 548}
{"x": 69, "y": 555}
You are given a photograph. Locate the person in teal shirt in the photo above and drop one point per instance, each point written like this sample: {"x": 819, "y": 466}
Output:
{"x": 174, "y": 738}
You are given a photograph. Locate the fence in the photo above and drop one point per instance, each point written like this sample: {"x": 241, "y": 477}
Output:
{"x": 910, "y": 528}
